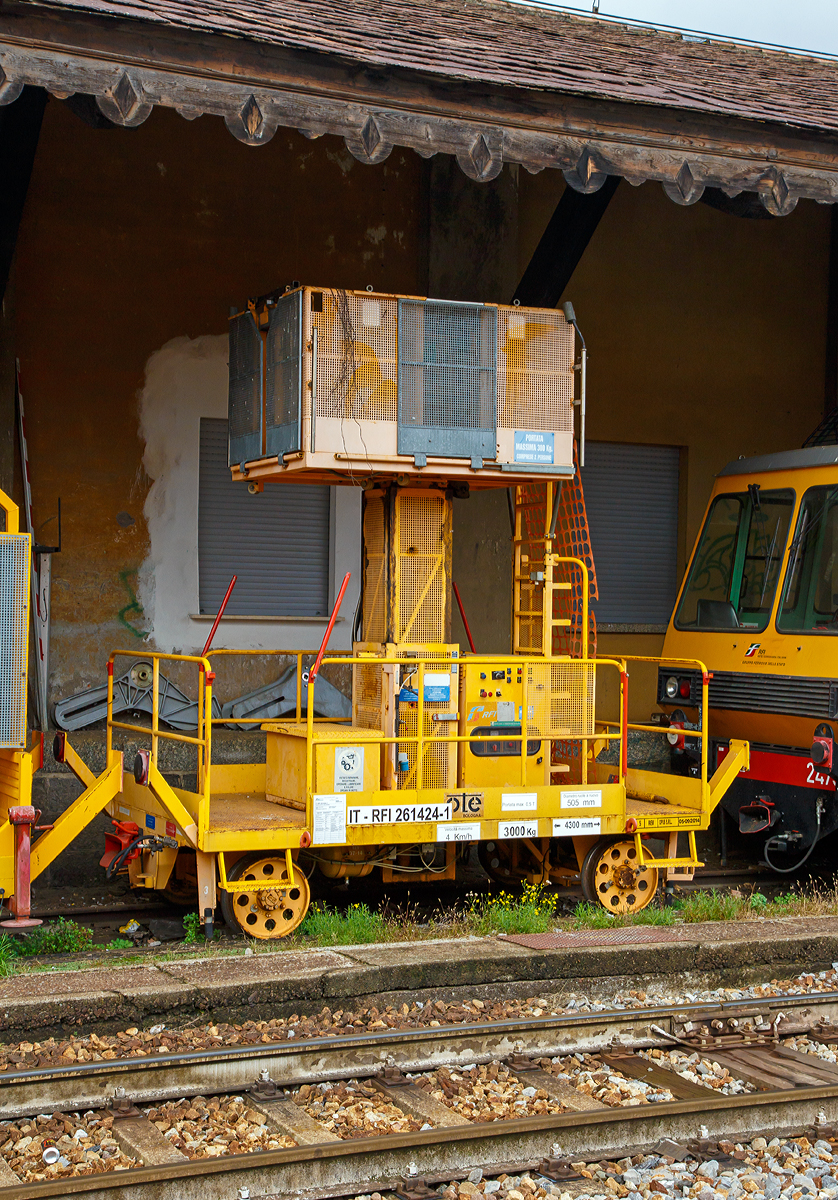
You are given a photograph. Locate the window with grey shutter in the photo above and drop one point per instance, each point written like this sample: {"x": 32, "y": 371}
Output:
{"x": 631, "y": 495}
{"x": 277, "y": 542}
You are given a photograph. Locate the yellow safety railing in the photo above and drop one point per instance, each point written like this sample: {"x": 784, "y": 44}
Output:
{"x": 691, "y": 664}
{"x": 601, "y": 730}
{"x": 422, "y": 740}
{"x": 202, "y": 740}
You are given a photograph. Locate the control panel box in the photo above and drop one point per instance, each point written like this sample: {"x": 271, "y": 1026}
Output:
{"x": 491, "y": 713}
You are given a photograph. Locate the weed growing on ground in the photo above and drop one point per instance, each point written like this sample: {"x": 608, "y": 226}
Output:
{"x": 709, "y": 906}
{"x": 120, "y": 944}
{"x": 191, "y": 929}
{"x": 653, "y": 915}
{"x": 531, "y": 912}
{"x": 63, "y": 937}
{"x": 592, "y": 916}
{"x": 357, "y": 925}
{"x": 8, "y": 954}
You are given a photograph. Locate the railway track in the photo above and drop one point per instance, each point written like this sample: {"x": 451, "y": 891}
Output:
{"x": 778, "y": 1090}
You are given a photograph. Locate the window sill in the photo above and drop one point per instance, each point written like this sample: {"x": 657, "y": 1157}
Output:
{"x": 265, "y": 620}
{"x": 629, "y": 627}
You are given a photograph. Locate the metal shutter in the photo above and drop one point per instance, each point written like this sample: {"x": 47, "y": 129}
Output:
{"x": 447, "y": 379}
{"x": 276, "y": 542}
{"x": 284, "y": 382}
{"x": 631, "y": 494}
{"x": 244, "y": 404}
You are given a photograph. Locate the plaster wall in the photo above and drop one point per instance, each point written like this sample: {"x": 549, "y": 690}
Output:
{"x": 133, "y": 246}
{"x": 706, "y": 332}
{"x": 187, "y": 380}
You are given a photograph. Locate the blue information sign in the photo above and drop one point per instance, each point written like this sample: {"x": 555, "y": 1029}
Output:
{"x": 534, "y": 446}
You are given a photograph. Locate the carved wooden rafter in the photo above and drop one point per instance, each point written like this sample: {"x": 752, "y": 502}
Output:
{"x": 256, "y": 91}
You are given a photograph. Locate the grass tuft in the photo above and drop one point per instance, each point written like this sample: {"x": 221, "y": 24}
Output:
{"x": 531, "y": 912}
{"x": 62, "y": 937}
{"x": 709, "y": 906}
{"x": 8, "y": 954}
{"x": 355, "y": 926}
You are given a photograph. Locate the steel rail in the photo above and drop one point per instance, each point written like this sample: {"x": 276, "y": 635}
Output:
{"x": 153, "y": 1078}
{"x": 364, "y": 1165}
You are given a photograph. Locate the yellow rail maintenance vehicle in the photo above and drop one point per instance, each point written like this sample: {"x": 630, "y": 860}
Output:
{"x": 759, "y": 605}
{"x": 525, "y": 754}
{"x": 21, "y": 752}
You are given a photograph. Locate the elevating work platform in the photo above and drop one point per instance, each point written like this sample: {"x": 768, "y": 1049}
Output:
{"x": 524, "y": 755}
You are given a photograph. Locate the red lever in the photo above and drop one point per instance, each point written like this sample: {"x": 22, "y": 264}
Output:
{"x": 463, "y": 615}
{"x": 312, "y": 675}
{"x": 208, "y": 642}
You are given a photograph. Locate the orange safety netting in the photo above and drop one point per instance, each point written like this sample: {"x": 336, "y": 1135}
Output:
{"x": 572, "y": 540}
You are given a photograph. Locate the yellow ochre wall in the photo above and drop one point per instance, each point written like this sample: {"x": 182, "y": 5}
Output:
{"x": 133, "y": 238}
{"x": 705, "y": 331}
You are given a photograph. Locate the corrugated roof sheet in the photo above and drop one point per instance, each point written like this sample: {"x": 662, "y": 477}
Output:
{"x": 498, "y": 44}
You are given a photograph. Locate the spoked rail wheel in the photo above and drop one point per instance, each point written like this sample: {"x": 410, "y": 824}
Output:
{"x": 271, "y": 912}
{"x": 613, "y": 876}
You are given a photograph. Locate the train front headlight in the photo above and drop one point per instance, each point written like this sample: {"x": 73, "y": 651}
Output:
{"x": 671, "y": 687}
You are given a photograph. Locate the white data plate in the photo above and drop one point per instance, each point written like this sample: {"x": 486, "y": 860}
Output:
{"x": 396, "y": 814}
{"x": 568, "y": 826}
{"x": 521, "y": 802}
{"x": 329, "y": 824}
{"x": 590, "y": 798}
{"x": 349, "y": 768}
{"x": 517, "y": 829}
{"x": 461, "y": 832}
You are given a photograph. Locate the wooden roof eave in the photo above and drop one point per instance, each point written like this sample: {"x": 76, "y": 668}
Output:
{"x": 255, "y": 88}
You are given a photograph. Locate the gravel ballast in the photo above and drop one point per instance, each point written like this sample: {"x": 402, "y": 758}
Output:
{"x": 136, "y": 1042}
{"x": 793, "y": 1169}
{"x": 86, "y": 1145}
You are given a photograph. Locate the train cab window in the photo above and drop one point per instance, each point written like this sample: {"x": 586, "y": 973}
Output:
{"x": 737, "y": 562}
{"x": 809, "y": 600}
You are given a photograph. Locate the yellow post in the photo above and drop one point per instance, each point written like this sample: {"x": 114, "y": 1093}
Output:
{"x": 110, "y": 750}
{"x": 204, "y": 801}
{"x": 200, "y": 728}
{"x": 420, "y": 724}
{"x": 524, "y": 719}
{"x": 155, "y": 700}
{"x": 309, "y": 752}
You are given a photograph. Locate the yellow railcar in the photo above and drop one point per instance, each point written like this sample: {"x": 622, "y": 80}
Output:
{"x": 759, "y": 605}
{"x": 417, "y": 401}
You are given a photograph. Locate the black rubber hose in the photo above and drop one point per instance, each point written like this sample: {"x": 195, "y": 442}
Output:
{"x": 797, "y": 866}
{"x": 117, "y": 862}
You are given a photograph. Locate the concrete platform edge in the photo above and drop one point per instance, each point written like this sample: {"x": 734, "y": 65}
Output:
{"x": 273, "y": 985}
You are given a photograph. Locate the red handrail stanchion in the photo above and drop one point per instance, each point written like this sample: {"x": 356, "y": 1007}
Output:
{"x": 463, "y": 615}
{"x": 310, "y": 676}
{"x": 208, "y": 642}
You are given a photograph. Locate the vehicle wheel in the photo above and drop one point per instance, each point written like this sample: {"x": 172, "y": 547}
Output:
{"x": 265, "y": 913}
{"x": 182, "y": 892}
{"x": 496, "y": 860}
{"x": 613, "y": 877}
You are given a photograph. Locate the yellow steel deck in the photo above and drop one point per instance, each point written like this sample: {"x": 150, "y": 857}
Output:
{"x": 246, "y": 813}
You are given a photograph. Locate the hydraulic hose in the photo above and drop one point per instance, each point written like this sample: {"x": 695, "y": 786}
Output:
{"x": 797, "y": 866}
{"x": 144, "y": 841}
{"x": 115, "y": 863}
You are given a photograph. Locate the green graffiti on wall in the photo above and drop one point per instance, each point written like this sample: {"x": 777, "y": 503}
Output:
{"x": 133, "y": 609}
